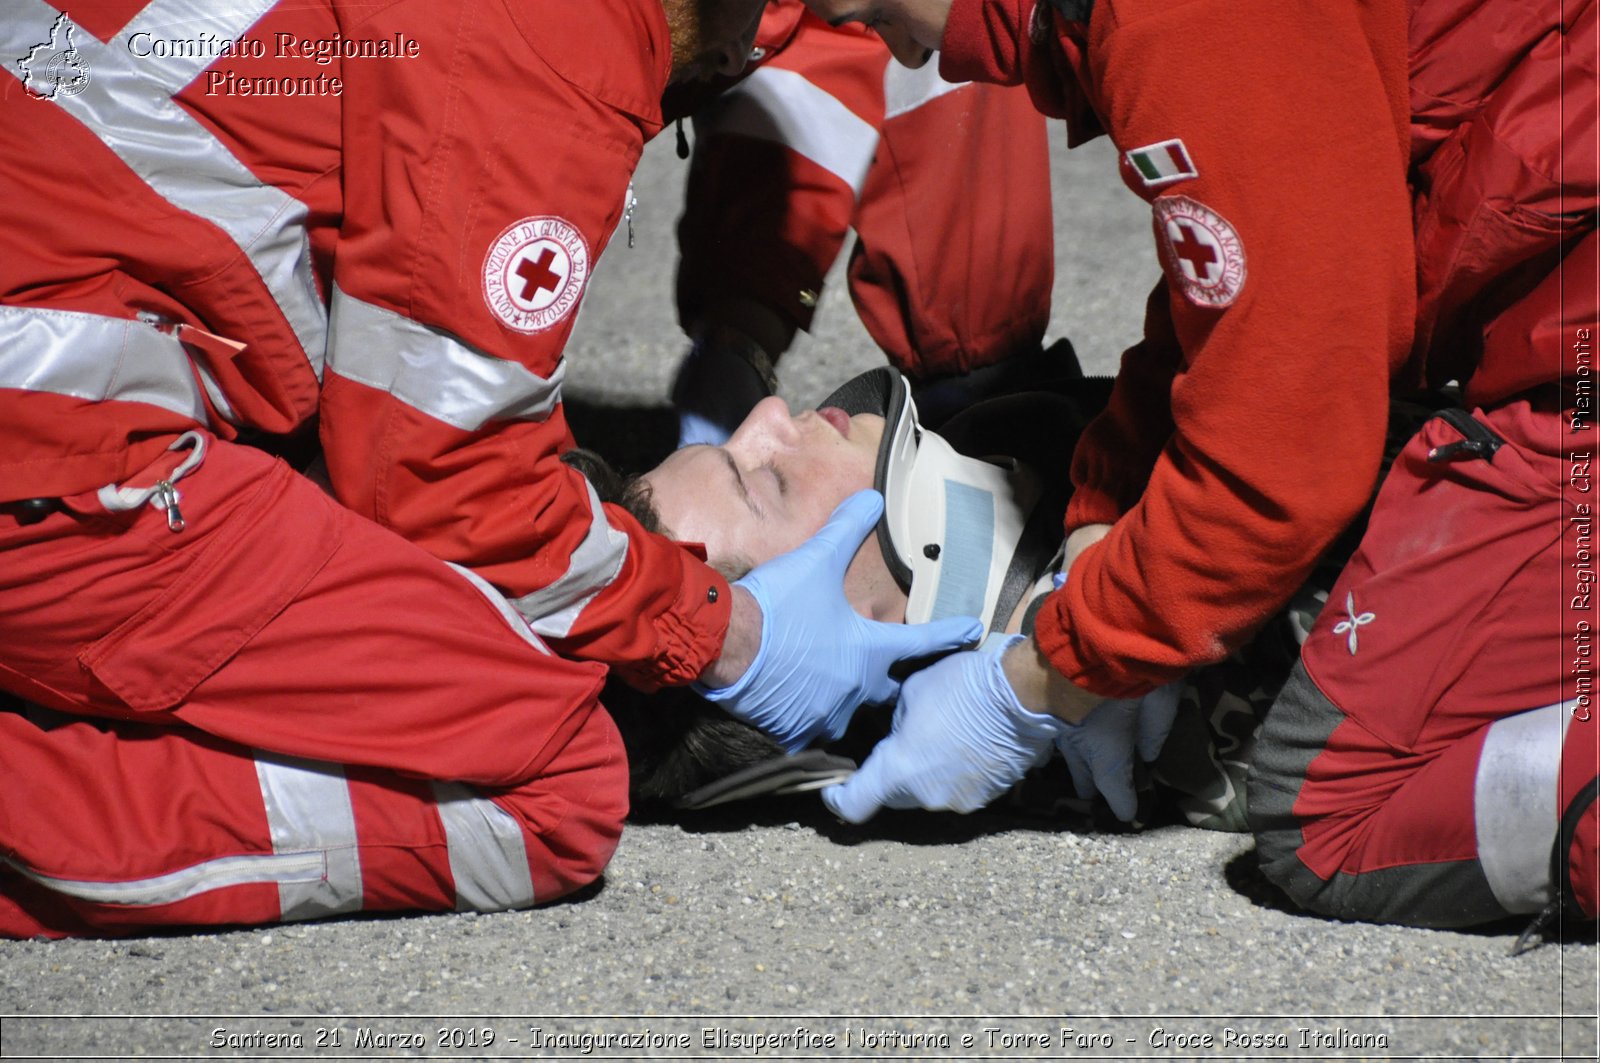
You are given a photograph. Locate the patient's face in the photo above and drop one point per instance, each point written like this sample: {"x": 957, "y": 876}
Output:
{"x": 771, "y": 486}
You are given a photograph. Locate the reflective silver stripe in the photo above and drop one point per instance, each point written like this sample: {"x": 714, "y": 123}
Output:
{"x": 782, "y": 106}
{"x": 185, "y": 20}
{"x": 905, "y": 89}
{"x": 514, "y": 620}
{"x": 88, "y": 356}
{"x": 1514, "y": 802}
{"x": 309, "y": 814}
{"x": 188, "y": 882}
{"x": 127, "y": 103}
{"x": 488, "y": 859}
{"x": 552, "y": 610}
{"x": 432, "y": 371}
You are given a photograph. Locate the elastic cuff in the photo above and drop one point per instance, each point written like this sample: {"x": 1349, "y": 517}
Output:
{"x": 1065, "y": 653}
{"x": 1091, "y": 505}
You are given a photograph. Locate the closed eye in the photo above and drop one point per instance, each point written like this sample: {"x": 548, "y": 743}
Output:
{"x": 740, "y": 486}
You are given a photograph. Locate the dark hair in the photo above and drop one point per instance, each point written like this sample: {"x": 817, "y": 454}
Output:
{"x": 630, "y": 491}
{"x": 676, "y": 741}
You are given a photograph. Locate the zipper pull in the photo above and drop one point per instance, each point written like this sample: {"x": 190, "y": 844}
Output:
{"x": 166, "y": 497}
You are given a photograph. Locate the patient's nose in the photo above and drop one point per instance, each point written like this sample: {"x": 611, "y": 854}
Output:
{"x": 768, "y": 424}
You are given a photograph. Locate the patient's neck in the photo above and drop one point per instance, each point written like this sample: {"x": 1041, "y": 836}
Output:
{"x": 871, "y": 589}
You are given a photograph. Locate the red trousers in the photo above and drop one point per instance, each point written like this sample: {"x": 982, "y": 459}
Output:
{"x": 1419, "y": 763}
{"x": 279, "y": 712}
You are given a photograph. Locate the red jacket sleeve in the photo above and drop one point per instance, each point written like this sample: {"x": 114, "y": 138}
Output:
{"x": 482, "y": 179}
{"x": 954, "y": 256}
{"x": 947, "y": 187}
{"x": 1290, "y": 316}
{"x": 1111, "y": 465}
{"x": 779, "y": 161}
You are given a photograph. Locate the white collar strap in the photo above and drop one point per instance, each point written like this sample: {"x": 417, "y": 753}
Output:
{"x": 952, "y": 524}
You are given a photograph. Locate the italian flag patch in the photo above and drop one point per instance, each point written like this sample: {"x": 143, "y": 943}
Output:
{"x": 1162, "y": 164}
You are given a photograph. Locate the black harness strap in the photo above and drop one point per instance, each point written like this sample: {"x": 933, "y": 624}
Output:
{"x": 1073, "y": 10}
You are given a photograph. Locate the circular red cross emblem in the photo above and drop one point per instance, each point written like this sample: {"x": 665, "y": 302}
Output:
{"x": 534, "y": 273}
{"x": 1201, "y": 251}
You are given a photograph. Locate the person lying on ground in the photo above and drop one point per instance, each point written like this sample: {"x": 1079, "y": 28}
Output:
{"x": 961, "y": 535}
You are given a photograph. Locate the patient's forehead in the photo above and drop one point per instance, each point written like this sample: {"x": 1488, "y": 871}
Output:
{"x": 747, "y": 512}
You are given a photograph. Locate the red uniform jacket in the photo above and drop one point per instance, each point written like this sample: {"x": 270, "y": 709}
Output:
{"x": 386, "y": 215}
{"x": 1274, "y": 142}
{"x": 946, "y": 185}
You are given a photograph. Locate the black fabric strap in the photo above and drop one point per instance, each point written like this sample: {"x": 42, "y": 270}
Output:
{"x": 1073, "y": 10}
{"x": 1565, "y": 902}
{"x": 1561, "y": 858}
{"x": 1479, "y": 440}
{"x": 1038, "y": 545}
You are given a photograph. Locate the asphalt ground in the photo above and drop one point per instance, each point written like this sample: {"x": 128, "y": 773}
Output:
{"x": 772, "y": 931}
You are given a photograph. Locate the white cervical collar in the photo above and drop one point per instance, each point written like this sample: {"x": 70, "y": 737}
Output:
{"x": 951, "y": 524}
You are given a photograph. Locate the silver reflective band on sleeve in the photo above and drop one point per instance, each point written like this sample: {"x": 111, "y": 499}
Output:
{"x": 1514, "y": 799}
{"x": 783, "y": 107}
{"x": 310, "y": 816}
{"x": 514, "y": 620}
{"x": 89, "y": 356}
{"x": 127, "y": 104}
{"x": 905, "y": 89}
{"x": 488, "y": 859}
{"x": 432, "y": 371}
{"x": 553, "y": 609}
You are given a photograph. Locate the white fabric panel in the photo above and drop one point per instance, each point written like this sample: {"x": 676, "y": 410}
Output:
{"x": 1514, "y": 800}
{"x": 89, "y": 356}
{"x": 905, "y": 89}
{"x": 552, "y": 610}
{"x": 186, "y": 882}
{"x": 783, "y": 107}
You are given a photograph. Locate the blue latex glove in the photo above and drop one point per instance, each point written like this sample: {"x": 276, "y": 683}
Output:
{"x": 959, "y": 739}
{"x": 819, "y": 660}
{"x": 1099, "y": 751}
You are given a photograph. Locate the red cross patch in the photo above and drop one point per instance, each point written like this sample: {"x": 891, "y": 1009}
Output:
{"x": 1201, "y": 252}
{"x": 534, "y": 272}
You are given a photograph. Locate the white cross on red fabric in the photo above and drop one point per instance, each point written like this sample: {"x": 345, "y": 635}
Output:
{"x": 1189, "y": 247}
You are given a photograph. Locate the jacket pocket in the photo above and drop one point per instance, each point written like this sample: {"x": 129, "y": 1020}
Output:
{"x": 251, "y": 569}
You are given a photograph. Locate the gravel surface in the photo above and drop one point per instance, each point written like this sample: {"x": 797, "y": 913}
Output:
{"x": 773, "y": 931}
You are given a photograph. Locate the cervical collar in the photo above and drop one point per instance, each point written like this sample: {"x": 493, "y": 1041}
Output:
{"x": 952, "y": 531}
